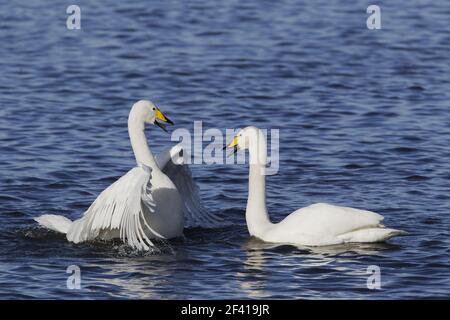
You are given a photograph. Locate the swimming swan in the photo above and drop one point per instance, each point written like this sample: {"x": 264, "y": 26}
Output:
{"x": 316, "y": 225}
{"x": 155, "y": 199}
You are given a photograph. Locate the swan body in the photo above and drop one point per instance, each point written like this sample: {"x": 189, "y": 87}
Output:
{"x": 146, "y": 202}
{"x": 316, "y": 225}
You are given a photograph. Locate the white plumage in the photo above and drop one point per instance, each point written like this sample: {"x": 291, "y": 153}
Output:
{"x": 325, "y": 224}
{"x": 120, "y": 207}
{"x": 316, "y": 225}
{"x": 153, "y": 200}
{"x": 171, "y": 162}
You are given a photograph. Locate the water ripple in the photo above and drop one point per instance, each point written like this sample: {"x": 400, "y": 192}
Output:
{"x": 363, "y": 118}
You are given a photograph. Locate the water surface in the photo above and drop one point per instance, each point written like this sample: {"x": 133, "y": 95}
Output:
{"x": 363, "y": 116}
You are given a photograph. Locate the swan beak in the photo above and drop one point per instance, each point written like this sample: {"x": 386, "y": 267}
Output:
{"x": 233, "y": 144}
{"x": 161, "y": 116}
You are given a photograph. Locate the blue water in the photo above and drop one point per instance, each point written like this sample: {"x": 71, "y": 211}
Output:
{"x": 364, "y": 119}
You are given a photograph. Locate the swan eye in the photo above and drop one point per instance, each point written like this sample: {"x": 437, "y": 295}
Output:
{"x": 154, "y": 108}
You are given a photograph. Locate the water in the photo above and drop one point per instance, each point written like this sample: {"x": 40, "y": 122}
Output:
{"x": 363, "y": 116}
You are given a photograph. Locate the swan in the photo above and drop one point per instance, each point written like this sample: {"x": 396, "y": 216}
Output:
{"x": 155, "y": 199}
{"x": 319, "y": 224}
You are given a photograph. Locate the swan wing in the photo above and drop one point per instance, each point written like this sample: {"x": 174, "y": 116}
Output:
{"x": 171, "y": 162}
{"x": 120, "y": 208}
{"x": 322, "y": 219}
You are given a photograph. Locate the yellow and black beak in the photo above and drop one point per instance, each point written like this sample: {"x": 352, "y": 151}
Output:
{"x": 159, "y": 116}
{"x": 233, "y": 144}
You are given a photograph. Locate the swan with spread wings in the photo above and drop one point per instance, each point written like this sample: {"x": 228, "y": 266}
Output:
{"x": 155, "y": 199}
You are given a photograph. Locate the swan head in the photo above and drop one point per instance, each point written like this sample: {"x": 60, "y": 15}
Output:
{"x": 239, "y": 142}
{"x": 147, "y": 112}
{"x": 249, "y": 138}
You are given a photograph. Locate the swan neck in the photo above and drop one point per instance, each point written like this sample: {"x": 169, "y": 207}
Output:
{"x": 256, "y": 213}
{"x": 141, "y": 150}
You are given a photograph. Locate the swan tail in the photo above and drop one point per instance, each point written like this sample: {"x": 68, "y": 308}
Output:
{"x": 54, "y": 222}
{"x": 371, "y": 235}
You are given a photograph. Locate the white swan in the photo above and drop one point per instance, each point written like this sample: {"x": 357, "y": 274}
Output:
{"x": 316, "y": 225}
{"x": 153, "y": 200}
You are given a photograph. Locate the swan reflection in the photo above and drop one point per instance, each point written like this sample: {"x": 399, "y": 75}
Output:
{"x": 257, "y": 279}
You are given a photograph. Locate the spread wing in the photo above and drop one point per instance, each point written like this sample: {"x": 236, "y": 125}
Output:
{"x": 171, "y": 162}
{"x": 120, "y": 208}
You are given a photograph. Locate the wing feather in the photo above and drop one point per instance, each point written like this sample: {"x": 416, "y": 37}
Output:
{"x": 171, "y": 162}
{"x": 120, "y": 207}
